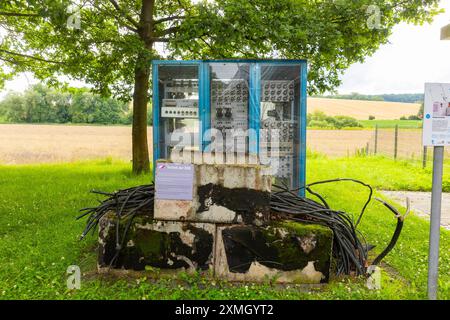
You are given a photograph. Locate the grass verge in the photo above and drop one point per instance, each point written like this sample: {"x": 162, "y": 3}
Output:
{"x": 39, "y": 237}
{"x": 386, "y": 124}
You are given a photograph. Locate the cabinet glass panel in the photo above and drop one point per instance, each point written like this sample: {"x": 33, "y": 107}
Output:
{"x": 279, "y": 110}
{"x": 229, "y": 105}
{"x": 179, "y": 108}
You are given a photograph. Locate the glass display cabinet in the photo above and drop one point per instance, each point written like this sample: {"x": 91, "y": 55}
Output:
{"x": 249, "y": 107}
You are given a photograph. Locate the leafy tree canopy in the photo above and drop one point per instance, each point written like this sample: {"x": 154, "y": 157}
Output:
{"x": 109, "y": 43}
{"x": 43, "y": 36}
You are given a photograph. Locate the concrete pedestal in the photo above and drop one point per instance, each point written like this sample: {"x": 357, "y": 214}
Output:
{"x": 284, "y": 252}
{"x": 226, "y": 229}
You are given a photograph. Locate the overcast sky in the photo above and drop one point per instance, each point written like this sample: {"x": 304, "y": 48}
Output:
{"x": 415, "y": 55}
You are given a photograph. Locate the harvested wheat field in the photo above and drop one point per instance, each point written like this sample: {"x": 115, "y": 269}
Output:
{"x": 338, "y": 143}
{"x": 22, "y": 144}
{"x": 361, "y": 110}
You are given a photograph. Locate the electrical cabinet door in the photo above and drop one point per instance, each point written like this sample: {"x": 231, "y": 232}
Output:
{"x": 178, "y": 115}
{"x": 280, "y": 121}
{"x": 229, "y": 101}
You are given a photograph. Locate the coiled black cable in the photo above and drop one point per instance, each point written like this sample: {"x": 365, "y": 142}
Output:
{"x": 350, "y": 250}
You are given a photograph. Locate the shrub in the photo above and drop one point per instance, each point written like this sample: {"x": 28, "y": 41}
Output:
{"x": 414, "y": 117}
{"x": 321, "y": 120}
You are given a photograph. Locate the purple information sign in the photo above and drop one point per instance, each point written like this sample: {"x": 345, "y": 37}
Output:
{"x": 174, "y": 181}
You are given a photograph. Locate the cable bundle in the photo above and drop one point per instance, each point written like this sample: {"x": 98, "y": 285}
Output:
{"x": 349, "y": 248}
{"x": 124, "y": 202}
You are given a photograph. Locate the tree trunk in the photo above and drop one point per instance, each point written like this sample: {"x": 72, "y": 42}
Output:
{"x": 141, "y": 162}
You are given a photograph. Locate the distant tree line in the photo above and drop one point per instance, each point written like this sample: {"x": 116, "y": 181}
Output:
{"x": 404, "y": 97}
{"x": 319, "y": 119}
{"x": 40, "y": 104}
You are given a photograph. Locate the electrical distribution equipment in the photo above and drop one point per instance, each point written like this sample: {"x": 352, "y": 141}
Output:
{"x": 234, "y": 97}
{"x": 176, "y": 103}
{"x": 179, "y": 110}
{"x": 229, "y": 109}
{"x": 278, "y": 116}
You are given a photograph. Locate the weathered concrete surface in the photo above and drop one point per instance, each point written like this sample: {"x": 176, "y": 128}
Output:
{"x": 160, "y": 244}
{"x": 421, "y": 203}
{"x": 222, "y": 194}
{"x": 282, "y": 252}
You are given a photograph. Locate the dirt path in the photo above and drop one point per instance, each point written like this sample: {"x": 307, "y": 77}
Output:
{"x": 421, "y": 203}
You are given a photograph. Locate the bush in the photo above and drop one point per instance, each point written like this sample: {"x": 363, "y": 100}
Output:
{"x": 319, "y": 124}
{"x": 414, "y": 117}
{"x": 371, "y": 117}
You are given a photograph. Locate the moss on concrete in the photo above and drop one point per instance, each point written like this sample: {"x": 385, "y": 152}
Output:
{"x": 144, "y": 246}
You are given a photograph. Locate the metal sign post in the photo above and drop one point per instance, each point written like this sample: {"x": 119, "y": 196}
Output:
{"x": 435, "y": 222}
{"x": 436, "y": 133}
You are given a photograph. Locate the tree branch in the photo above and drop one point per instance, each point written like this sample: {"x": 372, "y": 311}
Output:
{"x": 170, "y": 18}
{"x": 17, "y": 14}
{"x": 107, "y": 11}
{"x": 8, "y": 60}
{"x": 167, "y": 31}
{"x": 130, "y": 19}
{"x": 29, "y": 57}
{"x": 160, "y": 39}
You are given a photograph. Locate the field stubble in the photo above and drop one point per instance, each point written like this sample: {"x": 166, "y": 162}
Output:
{"x": 26, "y": 144}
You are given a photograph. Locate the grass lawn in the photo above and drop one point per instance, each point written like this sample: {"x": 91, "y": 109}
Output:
{"x": 384, "y": 124}
{"x": 39, "y": 236}
{"x": 380, "y": 172}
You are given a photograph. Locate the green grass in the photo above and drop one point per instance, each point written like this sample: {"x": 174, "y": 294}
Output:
{"x": 385, "y": 124}
{"x": 39, "y": 237}
{"x": 378, "y": 171}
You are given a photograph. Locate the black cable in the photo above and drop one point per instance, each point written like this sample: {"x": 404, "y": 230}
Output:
{"x": 349, "y": 247}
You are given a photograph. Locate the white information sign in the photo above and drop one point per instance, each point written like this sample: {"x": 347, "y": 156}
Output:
{"x": 174, "y": 181}
{"x": 436, "y": 118}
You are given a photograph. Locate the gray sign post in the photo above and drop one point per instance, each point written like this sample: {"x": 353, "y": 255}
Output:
{"x": 435, "y": 222}
{"x": 438, "y": 162}
{"x": 436, "y": 133}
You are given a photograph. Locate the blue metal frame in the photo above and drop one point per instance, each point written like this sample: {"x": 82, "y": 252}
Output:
{"x": 155, "y": 100}
{"x": 254, "y": 105}
{"x": 155, "y": 114}
{"x": 204, "y": 85}
{"x": 302, "y": 128}
{"x": 254, "y": 112}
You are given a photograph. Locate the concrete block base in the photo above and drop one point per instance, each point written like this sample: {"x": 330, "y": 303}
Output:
{"x": 158, "y": 244}
{"x": 284, "y": 252}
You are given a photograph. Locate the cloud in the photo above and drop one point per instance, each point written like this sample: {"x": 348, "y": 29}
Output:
{"x": 415, "y": 55}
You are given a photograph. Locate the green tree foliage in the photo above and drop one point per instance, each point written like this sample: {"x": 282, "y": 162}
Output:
{"x": 421, "y": 110}
{"x": 318, "y": 119}
{"x": 40, "y": 104}
{"x": 114, "y": 42}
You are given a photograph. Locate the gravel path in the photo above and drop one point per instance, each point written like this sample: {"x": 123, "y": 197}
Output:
{"x": 421, "y": 203}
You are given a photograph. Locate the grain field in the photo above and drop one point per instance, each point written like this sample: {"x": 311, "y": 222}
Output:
{"x": 361, "y": 110}
{"x": 24, "y": 144}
